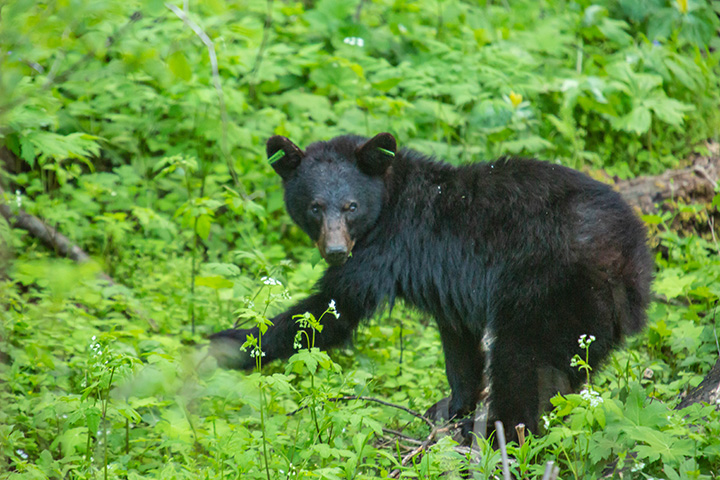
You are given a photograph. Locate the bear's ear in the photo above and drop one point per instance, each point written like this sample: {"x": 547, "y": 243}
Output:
{"x": 283, "y": 155}
{"x": 376, "y": 155}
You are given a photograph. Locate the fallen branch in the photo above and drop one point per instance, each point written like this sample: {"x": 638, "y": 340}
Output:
{"x": 56, "y": 241}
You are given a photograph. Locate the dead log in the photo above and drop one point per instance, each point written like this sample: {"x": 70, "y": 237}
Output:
{"x": 707, "y": 392}
{"x": 696, "y": 183}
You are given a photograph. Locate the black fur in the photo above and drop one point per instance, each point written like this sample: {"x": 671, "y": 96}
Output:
{"x": 535, "y": 253}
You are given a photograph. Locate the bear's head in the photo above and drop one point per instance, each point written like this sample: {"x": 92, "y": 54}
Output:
{"x": 334, "y": 190}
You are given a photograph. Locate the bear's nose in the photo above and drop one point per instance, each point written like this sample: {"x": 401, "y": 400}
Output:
{"x": 336, "y": 254}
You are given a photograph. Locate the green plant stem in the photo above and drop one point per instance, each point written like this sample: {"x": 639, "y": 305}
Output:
{"x": 193, "y": 273}
{"x": 103, "y": 423}
{"x": 313, "y": 413}
{"x": 570, "y": 462}
{"x": 258, "y": 364}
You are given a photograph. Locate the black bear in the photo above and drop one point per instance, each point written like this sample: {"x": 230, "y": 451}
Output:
{"x": 529, "y": 253}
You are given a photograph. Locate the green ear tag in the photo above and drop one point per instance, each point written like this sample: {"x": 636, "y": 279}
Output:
{"x": 276, "y": 156}
{"x": 386, "y": 152}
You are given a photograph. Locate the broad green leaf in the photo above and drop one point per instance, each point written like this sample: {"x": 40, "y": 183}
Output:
{"x": 92, "y": 417}
{"x": 215, "y": 282}
{"x": 637, "y": 121}
{"x": 672, "y": 282}
{"x": 203, "y": 226}
{"x": 179, "y": 65}
{"x": 668, "y": 110}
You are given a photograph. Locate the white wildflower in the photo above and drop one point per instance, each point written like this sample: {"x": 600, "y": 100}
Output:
{"x": 592, "y": 397}
{"x": 585, "y": 340}
{"x": 546, "y": 421}
{"x": 354, "y": 41}
{"x": 332, "y": 309}
{"x": 270, "y": 281}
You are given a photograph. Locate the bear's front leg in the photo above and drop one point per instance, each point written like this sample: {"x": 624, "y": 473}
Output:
{"x": 279, "y": 339}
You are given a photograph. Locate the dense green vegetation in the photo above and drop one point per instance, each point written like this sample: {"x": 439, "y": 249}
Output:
{"x": 137, "y": 130}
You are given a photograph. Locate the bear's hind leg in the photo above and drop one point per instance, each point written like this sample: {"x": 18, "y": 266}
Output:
{"x": 514, "y": 387}
{"x": 464, "y": 365}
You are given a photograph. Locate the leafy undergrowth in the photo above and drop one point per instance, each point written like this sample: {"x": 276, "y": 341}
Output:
{"x": 117, "y": 129}
{"x": 92, "y": 390}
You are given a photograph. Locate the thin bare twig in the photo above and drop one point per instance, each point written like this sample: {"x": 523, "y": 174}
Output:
{"x": 372, "y": 399}
{"x": 263, "y": 45}
{"x": 421, "y": 448}
{"x": 210, "y": 45}
{"x": 401, "y": 435}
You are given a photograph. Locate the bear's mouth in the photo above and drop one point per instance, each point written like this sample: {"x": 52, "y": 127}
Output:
{"x": 335, "y": 244}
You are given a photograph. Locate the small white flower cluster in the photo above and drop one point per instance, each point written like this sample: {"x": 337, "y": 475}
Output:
{"x": 95, "y": 347}
{"x": 591, "y": 396}
{"x": 22, "y": 453}
{"x": 304, "y": 320}
{"x": 255, "y": 352}
{"x": 18, "y": 198}
{"x": 354, "y": 41}
{"x": 585, "y": 340}
{"x": 332, "y": 309}
{"x": 547, "y": 418}
{"x": 292, "y": 471}
{"x": 271, "y": 281}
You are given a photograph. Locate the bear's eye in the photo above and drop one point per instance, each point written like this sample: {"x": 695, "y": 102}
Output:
{"x": 315, "y": 208}
{"x": 351, "y": 207}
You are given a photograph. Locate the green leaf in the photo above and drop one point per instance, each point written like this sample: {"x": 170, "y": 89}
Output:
{"x": 387, "y": 84}
{"x": 215, "y": 282}
{"x": 672, "y": 283}
{"x": 660, "y": 443}
{"x": 669, "y": 110}
{"x": 92, "y": 417}
{"x": 637, "y": 121}
{"x": 203, "y": 226}
{"x": 716, "y": 201}
{"x": 27, "y": 151}
{"x": 179, "y": 66}
{"x": 615, "y": 30}
{"x": 652, "y": 219}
